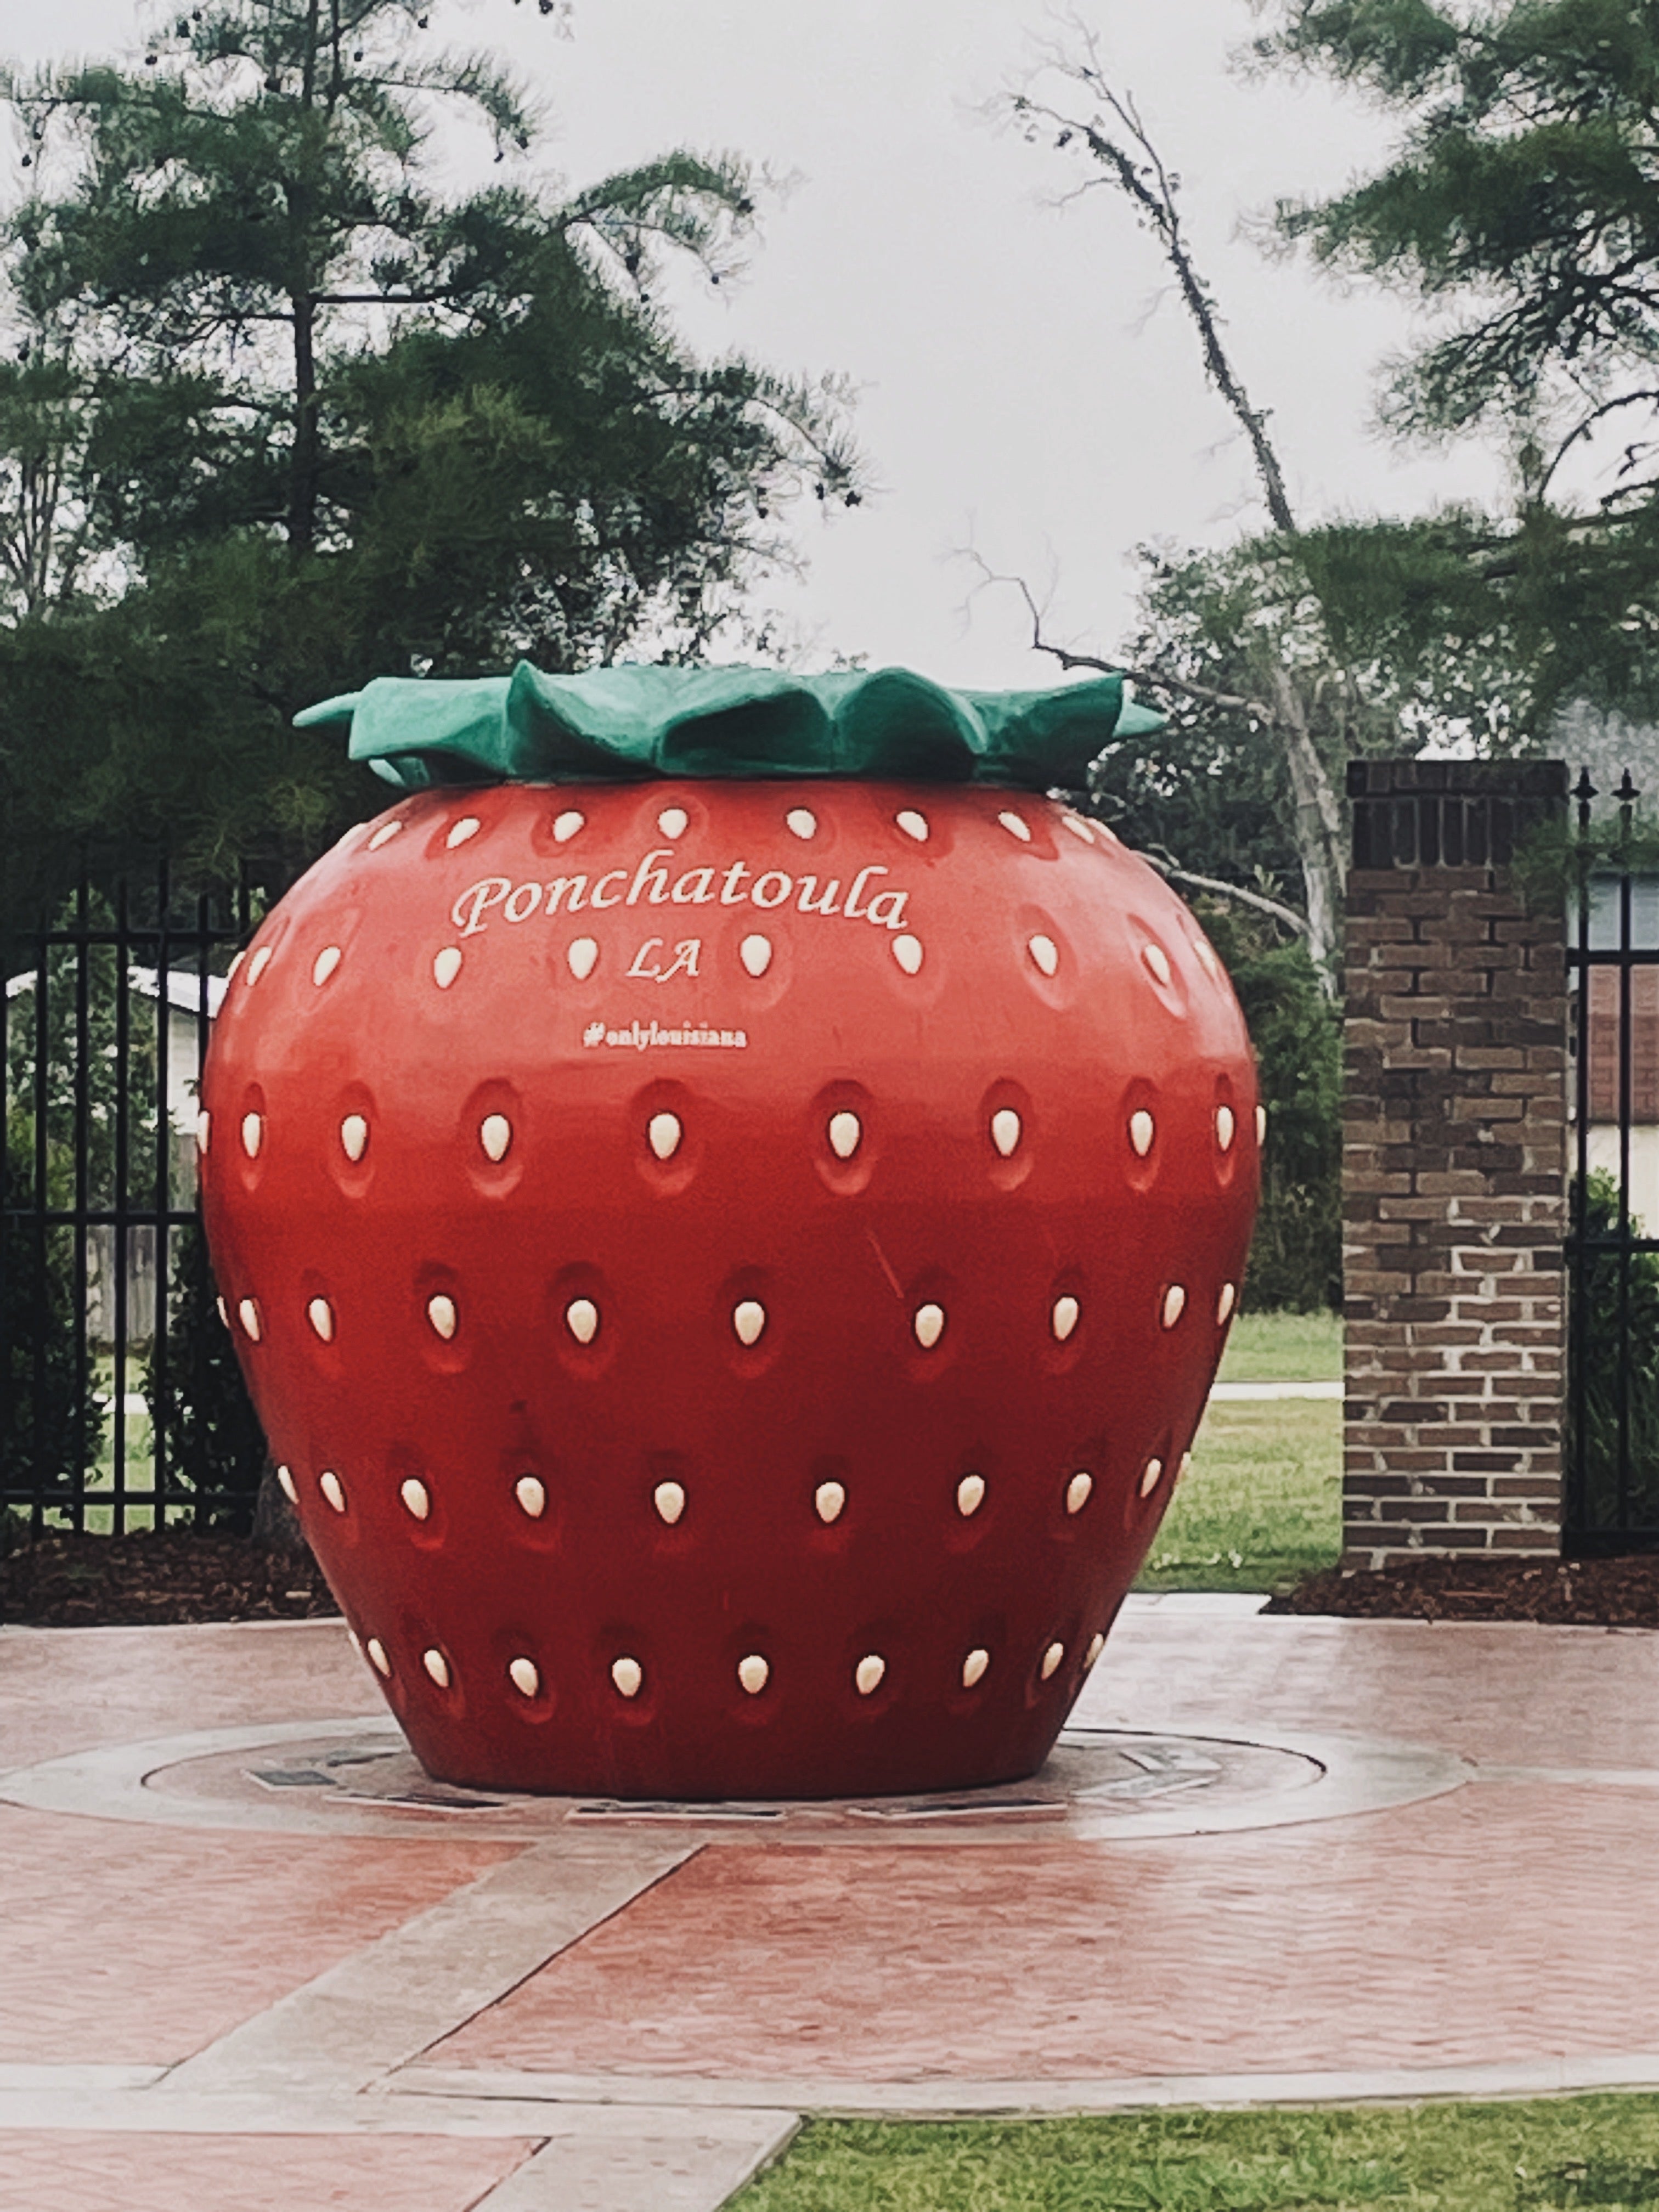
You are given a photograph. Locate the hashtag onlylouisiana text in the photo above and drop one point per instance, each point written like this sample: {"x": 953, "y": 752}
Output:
{"x": 645, "y": 1036}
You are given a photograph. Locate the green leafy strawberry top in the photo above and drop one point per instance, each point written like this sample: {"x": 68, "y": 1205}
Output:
{"x": 612, "y": 723}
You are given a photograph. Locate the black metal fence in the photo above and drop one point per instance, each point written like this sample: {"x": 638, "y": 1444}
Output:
{"x": 120, "y": 1404}
{"x": 1612, "y": 1487}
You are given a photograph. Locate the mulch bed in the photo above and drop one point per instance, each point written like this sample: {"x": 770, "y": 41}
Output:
{"x": 84, "y": 1582}
{"x": 1576, "y": 1593}
{"x": 81, "y": 1582}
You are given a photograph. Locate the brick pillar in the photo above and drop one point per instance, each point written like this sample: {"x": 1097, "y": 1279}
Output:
{"x": 1454, "y": 1178}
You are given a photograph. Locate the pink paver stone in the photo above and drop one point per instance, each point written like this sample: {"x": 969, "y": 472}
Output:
{"x": 64, "y": 1690}
{"x": 1280, "y": 1950}
{"x": 42, "y": 2172}
{"x": 137, "y": 1946}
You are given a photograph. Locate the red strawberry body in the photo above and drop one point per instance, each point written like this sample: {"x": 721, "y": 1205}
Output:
{"x": 729, "y": 1336}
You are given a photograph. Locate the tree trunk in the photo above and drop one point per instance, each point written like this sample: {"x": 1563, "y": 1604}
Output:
{"x": 303, "y": 466}
{"x": 303, "y": 463}
{"x": 1317, "y": 822}
{"x": 1139, "y": 172}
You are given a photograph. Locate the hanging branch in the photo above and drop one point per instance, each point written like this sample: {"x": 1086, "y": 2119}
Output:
{"x": 1069, "y": 659}
{"x": 1205, "y": 694}
{"x": 1138, "y": 170}
{"x": 1117, "y": 139}
{"x": 1285, "y": 916}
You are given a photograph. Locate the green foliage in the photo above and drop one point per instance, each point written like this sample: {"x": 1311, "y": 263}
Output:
{"x": 44, "y": 447}
{"x": 1211, "y": 795}
{"x": 156, "y": 720}
{"x": 1555, "y": 859}
{"x": 1296, "y": 1257}
{"x": 1226, "y": 637}
{"x": 214, "y": 1440}
{"x": 1450, "y": 630}
{"x": 1210, "y": 792}
{"x": 1619, "y": 1329}
{"x": 1523, "y": 187}
{"x": 85, "y": 1067}
{"x": 1618, "y": 2185}
{"x": 1444, "y": 650}
{"x": 1521, "y": 203}
{"x": 50, "y": 1426}
{"x": 289, "y": 416}
{"x": 94, "y": 1077}
{"x": 53, "y": 1428}
{"x": 1486, "y": 628}
{"x": 1392, "y": 640}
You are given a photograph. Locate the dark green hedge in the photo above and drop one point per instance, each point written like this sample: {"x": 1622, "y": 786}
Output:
{"x": 1296, "y": 1259}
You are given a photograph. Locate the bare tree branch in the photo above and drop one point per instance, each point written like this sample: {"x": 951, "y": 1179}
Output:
{"x": 1287, "y": 915}
{"x": 1156, "y": 678}
{"x": 1117, "y": 139}
{"x": 1317, "y": 809}
{"x": 1153, "y": 678}
{"x": 1139, "y": 171}
{"x": 1583, "y": 428}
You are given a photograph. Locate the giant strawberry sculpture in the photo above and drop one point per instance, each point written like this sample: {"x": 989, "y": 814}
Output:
{"x": 729, "y": 1202}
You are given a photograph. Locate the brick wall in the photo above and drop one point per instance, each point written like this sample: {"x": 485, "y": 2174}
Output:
{"x": 1454, "y": 1167}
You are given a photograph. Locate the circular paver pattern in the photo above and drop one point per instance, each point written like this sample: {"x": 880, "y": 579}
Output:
{"x": 359, "y": 1777}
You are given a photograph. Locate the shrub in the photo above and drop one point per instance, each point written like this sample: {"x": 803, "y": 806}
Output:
{"x": 1621, "y": 1369}
{"x": 216, "y": 1448}
{"x": 52, "y": 1426}
{"x": 1296, "y": 1257}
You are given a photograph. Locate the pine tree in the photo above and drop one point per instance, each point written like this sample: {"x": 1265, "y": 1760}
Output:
{"x": 1521, "y": 203}
{"x": 289, "y": 415}
{"x": 1523, "y": 195}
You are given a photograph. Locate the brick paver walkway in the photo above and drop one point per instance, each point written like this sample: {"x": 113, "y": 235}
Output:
{"x": 623, "y": 2021}
{"x": 1285, "y": 1952}
{"x": 142, "y": 1944}
{"x": 74, "y": 2173}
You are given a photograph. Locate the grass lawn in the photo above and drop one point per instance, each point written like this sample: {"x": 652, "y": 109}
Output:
{"x": 138, "y": 1452}
{"x": 1283, "y": 1348}
{"x": 1541, "y": 2155}
{"x": 140, "y": 1456}
{"x": 1261, "y": 1503}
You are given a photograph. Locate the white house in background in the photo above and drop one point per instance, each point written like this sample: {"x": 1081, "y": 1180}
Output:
{"x": 192, "y": 1002}
{"x": 188, "y": 1027}
{"x": 188, "y": 1030}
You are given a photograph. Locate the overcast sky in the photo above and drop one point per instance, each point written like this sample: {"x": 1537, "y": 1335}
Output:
{"x": 1025, "y": 385}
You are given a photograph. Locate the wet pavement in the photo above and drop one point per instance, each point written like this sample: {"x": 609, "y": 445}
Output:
{"x": 252, "y": 1957}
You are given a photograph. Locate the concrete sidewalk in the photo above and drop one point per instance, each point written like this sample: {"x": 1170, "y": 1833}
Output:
{"x": 252, "y": 1961}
